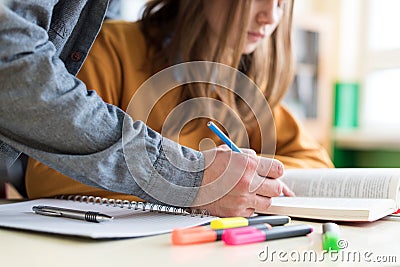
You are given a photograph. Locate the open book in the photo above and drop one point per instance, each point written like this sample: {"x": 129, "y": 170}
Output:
{"x": 364, "y": 194}
{"x": 131, "y": 219}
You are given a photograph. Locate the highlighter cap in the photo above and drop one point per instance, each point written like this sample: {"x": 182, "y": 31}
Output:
{"x": 243, "y": 235}
{"x": 224, "y": 223}
{"x": 194, "y": 235}
{"x": 330, "y": 236}
{"x": 330, "y": 227}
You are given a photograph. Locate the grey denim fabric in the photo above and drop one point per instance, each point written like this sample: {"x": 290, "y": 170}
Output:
{"x": 48, "y": 114}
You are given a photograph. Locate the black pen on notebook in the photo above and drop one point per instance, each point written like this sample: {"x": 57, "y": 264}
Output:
{"x": 89, "y": 216}
{"x": 223, "y": 137}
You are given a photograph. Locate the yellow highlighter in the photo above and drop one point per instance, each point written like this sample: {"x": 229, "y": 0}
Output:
{"x": 234, "y": 222}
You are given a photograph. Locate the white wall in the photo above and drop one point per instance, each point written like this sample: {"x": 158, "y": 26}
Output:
{"x": 131, "y": 9}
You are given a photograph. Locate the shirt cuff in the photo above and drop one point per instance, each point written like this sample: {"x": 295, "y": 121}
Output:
{"x": 176, "y": 175}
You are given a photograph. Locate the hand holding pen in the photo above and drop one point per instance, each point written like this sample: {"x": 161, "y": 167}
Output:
{"x": 273, "y": 163}
{"x": 236, "y": 185}
{"x": 285, "y": 190}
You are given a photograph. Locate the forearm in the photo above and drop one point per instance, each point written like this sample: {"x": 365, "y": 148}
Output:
{"x": 48, "y": 114}
{"x": 152, "y": 175}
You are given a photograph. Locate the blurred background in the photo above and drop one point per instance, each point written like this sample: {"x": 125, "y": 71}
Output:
{"x": 347, "y": 85}
{"x": 348, "y": 79}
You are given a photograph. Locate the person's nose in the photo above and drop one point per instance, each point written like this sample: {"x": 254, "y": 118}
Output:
{"x": 268, "y": 13}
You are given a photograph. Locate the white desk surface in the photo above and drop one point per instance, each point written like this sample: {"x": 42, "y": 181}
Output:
{"x": 377, "y": 239}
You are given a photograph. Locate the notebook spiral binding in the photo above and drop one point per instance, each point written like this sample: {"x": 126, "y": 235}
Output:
{"x": 136, "y": 205}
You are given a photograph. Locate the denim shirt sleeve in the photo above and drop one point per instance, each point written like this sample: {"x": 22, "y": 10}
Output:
{"x": 49, "y": 115}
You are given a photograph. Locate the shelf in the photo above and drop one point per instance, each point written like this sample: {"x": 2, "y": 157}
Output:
{"x": 367, "y": 139}
{"x": 310, "y": 96}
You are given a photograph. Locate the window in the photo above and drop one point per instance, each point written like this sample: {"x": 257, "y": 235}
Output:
{"x": 383, "y": 23}
{"x": 132, "y": 9}
{"x": 380, "y": 100}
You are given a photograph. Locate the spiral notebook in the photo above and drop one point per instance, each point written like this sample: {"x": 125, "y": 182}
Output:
{"x": 131, "y": 219}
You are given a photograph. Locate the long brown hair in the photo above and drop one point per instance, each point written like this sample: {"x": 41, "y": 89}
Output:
{"x": 177, "y": 31}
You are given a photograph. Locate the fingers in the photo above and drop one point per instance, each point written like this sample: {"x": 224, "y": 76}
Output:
{"x": 271, "y": 168}
{"x": 235, "y": 184}
{"x": 267, "y": 187}
{"x": 224, "y": 147}
{"x": 261, "y": 203}
{"x": 248, "y": 151}
{"x": 287, "y": 191}
{"x": 248, "y": 212}
{"x": 267, "y": 167}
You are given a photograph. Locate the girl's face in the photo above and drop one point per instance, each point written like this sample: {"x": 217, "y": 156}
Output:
{"x": 264, "y": 17}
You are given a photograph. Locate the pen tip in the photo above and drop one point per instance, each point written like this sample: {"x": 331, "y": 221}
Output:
{"x": 104, "y": 218}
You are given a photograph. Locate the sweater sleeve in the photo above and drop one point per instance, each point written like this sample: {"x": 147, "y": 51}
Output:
{"x": 295, "y": 147}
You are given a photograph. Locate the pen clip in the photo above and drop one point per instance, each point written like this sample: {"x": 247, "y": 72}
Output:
{"x": 43, "y": 211}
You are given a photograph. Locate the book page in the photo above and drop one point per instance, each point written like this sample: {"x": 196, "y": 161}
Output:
{"x": 345, "y": 209}
{"x": 345, "y": 183}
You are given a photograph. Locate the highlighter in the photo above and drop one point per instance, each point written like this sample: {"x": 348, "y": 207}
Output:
{"x": 202, "y": 234}
{"x": 234, "y": 222}
{"x": 330, "y": 237}
{"x": 250, "y": 234}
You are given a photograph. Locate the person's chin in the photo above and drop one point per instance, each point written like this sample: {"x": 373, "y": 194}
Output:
{"x": 249, "y": 48}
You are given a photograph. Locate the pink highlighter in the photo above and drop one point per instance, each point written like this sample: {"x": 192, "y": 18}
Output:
{"x": 247, "y": 235}
{"x": 202, "y": 234}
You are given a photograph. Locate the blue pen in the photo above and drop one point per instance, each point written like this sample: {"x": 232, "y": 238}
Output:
{"x": 223, "y": 137}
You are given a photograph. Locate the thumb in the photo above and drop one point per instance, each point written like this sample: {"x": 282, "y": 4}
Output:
{"x": 248, "y": 151}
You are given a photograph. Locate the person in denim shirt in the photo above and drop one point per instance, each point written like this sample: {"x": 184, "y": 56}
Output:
{"x": 48, "y": 114}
